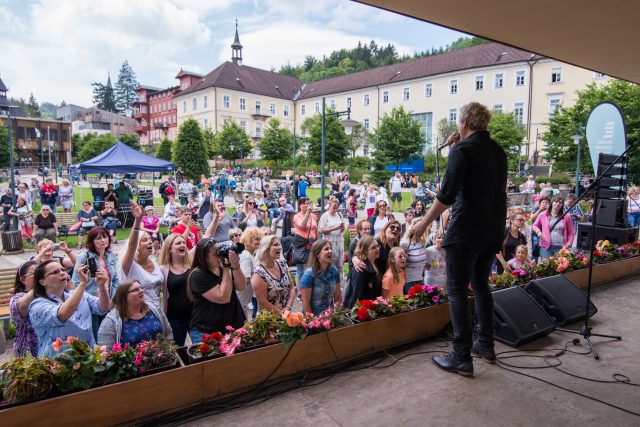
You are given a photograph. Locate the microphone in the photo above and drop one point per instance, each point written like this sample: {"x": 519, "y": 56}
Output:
{"x": 444, "y": 145}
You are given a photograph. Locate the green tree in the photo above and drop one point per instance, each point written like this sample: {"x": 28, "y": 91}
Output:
{"x": 232, "y": 142}
{"x": 562, "y": 125}
{"x": 93, "y": 145}
{"x": 125, "y": 90}
{"x": 104, "y": 97}
{"x": 336, "y": 141}
{"x": 164, "y": 150}
{"x": 398, "y": 138}
{"x": 130, "y": 139}
{"x": 4, "y": 147}
{"x": 210, "y": 143}
{"x": 32, "y": 109}
{"x": 507, "y": 132}
{"x": 48, "y": 110}
{"x": 277, "y": 143}
{"x": 444, "y": 128}
{"x": 190, "y": 153}
{"x": 359, "y": 137}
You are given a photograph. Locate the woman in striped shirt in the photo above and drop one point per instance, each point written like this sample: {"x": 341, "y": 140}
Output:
{"x": 414, "y": 247}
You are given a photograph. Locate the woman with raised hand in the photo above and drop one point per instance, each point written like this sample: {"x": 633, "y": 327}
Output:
{"x": 26, "y": 341}
{"x": 98, "y": 252}
{"x": 250, "y": 216}
{"x": 187, "y": 227}
{"x": 175, "y": 264}
{"x": 132, "y": 320}
{"x": 272, "y": 284}
{"x": 415, "y": 248}
{"x": 320, "y": 284}
{"x": 137, "y": 262}
{"x": 55, "y": 313}
{"x": 46, "y": 248}
{"x": 332, "y": 226}
{"x": 211, "y": 285}
{"x": 367, "y": 283}
{"x": 305, "y": 229}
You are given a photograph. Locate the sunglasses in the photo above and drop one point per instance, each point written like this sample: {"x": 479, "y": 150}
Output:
{"x": 394, "y": 228}
{"x": 236, "y": 235}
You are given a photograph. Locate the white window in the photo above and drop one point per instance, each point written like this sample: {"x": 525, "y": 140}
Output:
{"x": 348, "y": 102}
{"x": 258, "y": 130}
{"x": 453, "y": 115}
{"x": 184, "y": 106}
{"x": 317, "y": 107}
{"x": 226, "y": 101}
{"x": 175, "y": 105}
{"x": 285, "y": 111}
{"x": 332, "y": 103}
{"x": 365, "y": 100}
{"x": 272, "y": 109}
{"x": 164, "y": 122}
{"x": 556, "y": 75}
{"x": 453, "y": 87}
{"x": 195, "y": 104}
{"x": 554, "y": 106}
{"x": 206, "y": 124}
{"x": 518, "y": 112}
{"x": 303, "y": 110}
{"x": 366, "y": 124}
{"x": 164, "y": 106}
{"x": 365, "y": 150}
{"x": 519, "y": 78}
{"x": 385, "y": 97}
{"x": 205, "y": 102}
{"x": 243, "y": 125}
{"x": 479, "y": 82}
{"x": 497, "y": 108}
{"x": 498, "y": 81}
{"x": 599, "y": 76}
{"x": 243, "y": 104}
{"x": 405, "y": 94}
{"x": 428, "y": 90}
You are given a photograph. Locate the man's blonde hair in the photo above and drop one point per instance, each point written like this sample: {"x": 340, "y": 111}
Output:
{"x": 475, "y": 115}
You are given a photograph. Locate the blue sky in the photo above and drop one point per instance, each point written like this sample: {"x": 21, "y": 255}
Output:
{"x": 56, "y": 48}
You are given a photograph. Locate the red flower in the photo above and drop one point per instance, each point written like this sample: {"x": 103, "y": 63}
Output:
{"x": 363, "y": 314}
{"x": 216, "y": 336}
{"x": 413, "y": 291}
{"x": 636, "y": 244}
{"x": 204, "y": 348}
{"x": 596, "y": 253}
{"x": 367, "y": 304}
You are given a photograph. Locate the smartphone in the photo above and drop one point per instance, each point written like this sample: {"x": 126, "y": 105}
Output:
{"x": 93, "y": 267}
{"x": 56, "y": 247}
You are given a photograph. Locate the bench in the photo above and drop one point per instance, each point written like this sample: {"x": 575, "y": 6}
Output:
{"x": 7, "y": 283}
{"x": 68, "y": 219}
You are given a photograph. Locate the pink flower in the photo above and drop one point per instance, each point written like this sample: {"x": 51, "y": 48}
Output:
{"x": 326, "y": 324}
{"x": 76, "y": 367}
{"x": 70, "y": 340}
{"x": 57, "y": 344}
{"x": 116, "y": 347}
{"x": 435, "y": 299}
{"x": 138, "y": 360}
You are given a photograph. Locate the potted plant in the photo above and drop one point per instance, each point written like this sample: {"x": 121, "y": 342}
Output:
{"x": 208, "y": 348}
{"x": 154, "y": 356}
{"x": 263, "y": 328}
{"x": 79, "y": 364}
{"x": 27, "y": 378}
{"x": 425, "y": 296}
{"x": 120, "y": 364}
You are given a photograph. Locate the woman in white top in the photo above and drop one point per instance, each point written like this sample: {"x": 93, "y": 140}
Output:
{"x": 416, "y": 251}
{"x": 436, "y": 274}
{"x": 251, "y": 240}
{"x": 633, "y": 208}
{"x": 137, "y": 263}
{"x": 331, "y": 225}
{"x": 66, "y": 195}
{"x": 381, "y": 216}
{"x": 370, "y": 197}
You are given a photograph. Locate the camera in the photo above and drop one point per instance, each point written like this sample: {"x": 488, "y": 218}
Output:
{"x": 223, "y": 250}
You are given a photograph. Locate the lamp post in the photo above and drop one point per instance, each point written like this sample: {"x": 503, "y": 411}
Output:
{"x": 293, "y": 177}
{"x": 576, "y": 140}
{"x": 535, "y": 158}
{"x": 14, "y": 219}
{"x": 39, "y": 136}
{"x": 348, "y": 125}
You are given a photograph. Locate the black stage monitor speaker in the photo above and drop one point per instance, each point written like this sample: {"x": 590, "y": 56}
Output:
{"x": 616, "y": 235}
{"x": 560, "y": 298}
{"x": 518, "y": 318}
{"x": 612, "y": 213}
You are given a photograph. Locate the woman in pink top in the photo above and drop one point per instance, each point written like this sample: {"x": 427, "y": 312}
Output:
{"x": 306, "y": 227}
{"x": 551, "y": 241}
{"x": 151, "y": 224}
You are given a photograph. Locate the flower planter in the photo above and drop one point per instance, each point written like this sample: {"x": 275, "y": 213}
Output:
{"x": 605, "y": 273}
{"x": 159, "y": 390}
{"x": 189, "y": 359}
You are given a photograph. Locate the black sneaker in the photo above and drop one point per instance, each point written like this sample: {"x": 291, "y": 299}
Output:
{"x": 487, "y": 354}
{"x": 449, "y": 364}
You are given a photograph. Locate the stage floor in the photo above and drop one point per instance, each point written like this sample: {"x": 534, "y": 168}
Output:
{"x": 413, "y": 392}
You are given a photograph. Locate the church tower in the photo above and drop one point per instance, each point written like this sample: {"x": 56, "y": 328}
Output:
{"x": 236, "y": 48}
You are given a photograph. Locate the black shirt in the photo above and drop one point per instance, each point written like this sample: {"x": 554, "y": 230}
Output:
{"x": 209, "y": 316}
{"x": 5, "y": 200}
{"x": 474, "y": 184}
{"x": 365, "y": 284}
{"x": 178, "y": 303}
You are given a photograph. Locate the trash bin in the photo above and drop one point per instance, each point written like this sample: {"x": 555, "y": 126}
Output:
{"x": 12, "y": 242}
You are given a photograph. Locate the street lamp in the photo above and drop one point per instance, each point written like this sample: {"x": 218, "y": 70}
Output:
{"x": 39, "y": 136}
{"x": 14, "y": 219}
{"x": 348, "y": 125}
{"x": 576, "y": 140}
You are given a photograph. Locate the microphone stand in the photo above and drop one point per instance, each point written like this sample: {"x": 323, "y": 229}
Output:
{"x": 586, "y": 329}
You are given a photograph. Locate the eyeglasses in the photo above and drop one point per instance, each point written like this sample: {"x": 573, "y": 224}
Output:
{"x": 56, "y": 271}
{"x": 27, "y": 274}
{"x": 518, "y": 219}
{"x": 394, "y": 228}
{"x": 236, "y": 235}
{"x": 250, "y": 203}
{"x": 135, "y": 290}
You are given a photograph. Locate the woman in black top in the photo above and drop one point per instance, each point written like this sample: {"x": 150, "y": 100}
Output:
{"x": 513, "y": 237}
{"x": 367, "y": 283}
{"x": 175, "y": 265}
{"x": 211, "y": 285}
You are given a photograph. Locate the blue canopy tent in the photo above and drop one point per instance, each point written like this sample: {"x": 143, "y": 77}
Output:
{"x": 123, "y": 159}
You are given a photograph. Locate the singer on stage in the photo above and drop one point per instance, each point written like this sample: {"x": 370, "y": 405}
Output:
{"x": 474, "y": 184}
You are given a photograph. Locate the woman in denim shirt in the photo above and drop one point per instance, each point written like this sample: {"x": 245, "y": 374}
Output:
{"x": 99, "y": 248}
{"x": 320, "y": 284}
{"x": 55, "y": 313}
